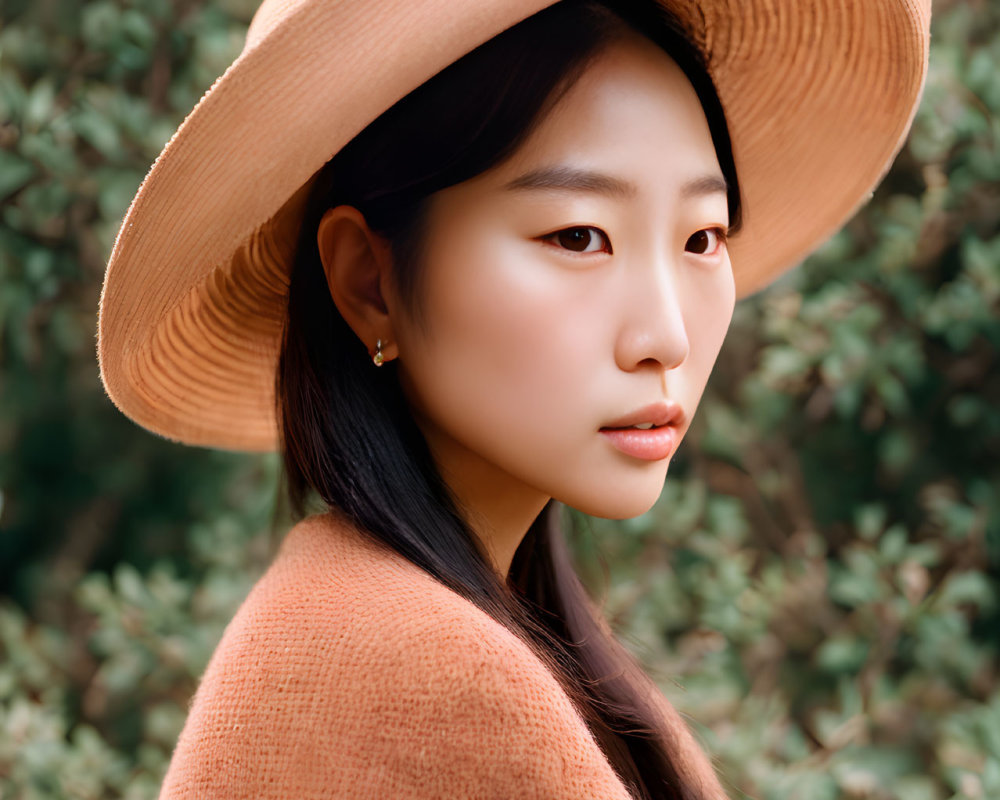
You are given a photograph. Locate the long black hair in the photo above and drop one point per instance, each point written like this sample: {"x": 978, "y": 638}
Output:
{"x": 347, "y": 432}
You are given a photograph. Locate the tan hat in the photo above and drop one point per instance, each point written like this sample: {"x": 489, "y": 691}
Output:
{"x": 818, "y": 95}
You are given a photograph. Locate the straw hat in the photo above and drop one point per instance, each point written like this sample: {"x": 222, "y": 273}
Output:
{"x": 818, "y": 94}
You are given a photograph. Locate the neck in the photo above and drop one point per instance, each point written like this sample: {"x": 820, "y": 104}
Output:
{"x": 500, "y": 520}
{"x": 497, "y": 507}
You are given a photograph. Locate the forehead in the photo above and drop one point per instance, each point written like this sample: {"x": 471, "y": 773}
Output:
{"x": 632, "y": 112}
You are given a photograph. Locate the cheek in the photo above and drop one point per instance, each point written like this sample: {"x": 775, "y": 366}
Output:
{"x": 503, "y": 343}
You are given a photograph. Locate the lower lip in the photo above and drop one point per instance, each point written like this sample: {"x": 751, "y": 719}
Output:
{"x": 650, "y": 445}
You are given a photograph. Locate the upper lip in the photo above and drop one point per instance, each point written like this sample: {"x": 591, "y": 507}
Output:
{"x": 661, "y": 413}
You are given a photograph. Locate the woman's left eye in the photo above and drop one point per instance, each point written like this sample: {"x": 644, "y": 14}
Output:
{"x": 580, "y": 240}
{"x": 706, "y": 242}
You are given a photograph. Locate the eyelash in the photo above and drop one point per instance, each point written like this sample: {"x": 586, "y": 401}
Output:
{"x": 720, "y": 233}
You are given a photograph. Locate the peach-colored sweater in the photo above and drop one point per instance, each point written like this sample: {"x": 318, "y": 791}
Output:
{"x": 348, "y": 672}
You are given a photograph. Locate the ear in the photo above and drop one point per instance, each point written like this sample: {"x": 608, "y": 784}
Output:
{"x": 357, "y": 263}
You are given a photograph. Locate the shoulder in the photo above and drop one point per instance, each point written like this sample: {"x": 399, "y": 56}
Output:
{"x": 348, "y": 666}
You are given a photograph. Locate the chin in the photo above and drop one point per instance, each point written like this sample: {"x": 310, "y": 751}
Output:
{"x": 623, "y": 498}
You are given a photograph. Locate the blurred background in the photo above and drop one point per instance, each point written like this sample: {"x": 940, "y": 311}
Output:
{"x": 817, "y": 588}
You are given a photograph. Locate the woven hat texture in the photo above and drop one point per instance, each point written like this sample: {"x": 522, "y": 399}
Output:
{"x": 818, "y": 95}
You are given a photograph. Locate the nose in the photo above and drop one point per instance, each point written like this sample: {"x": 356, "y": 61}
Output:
{"x": 653, "y": 331}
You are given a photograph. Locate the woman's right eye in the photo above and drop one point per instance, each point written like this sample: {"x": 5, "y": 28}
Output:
{"x": 580, "y": 240}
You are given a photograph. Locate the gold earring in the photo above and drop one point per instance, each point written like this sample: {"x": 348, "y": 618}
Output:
{"x": 378, "y": 359}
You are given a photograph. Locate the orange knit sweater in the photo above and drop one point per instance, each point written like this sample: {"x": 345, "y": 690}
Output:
{"x": 348, "y": 672}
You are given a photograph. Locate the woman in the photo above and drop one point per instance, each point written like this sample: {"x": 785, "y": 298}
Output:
{"x": 504, "y": 289}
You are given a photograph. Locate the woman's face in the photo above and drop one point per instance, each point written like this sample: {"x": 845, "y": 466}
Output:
{"x": 582, "y": 280}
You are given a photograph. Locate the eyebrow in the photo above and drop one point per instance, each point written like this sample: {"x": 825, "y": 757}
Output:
{"x": 562, "y": 178}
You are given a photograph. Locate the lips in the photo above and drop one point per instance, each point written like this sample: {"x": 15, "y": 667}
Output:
{"x": 655, "y": 414}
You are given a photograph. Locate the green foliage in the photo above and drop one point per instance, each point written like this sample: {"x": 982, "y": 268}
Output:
{"x": 121, "y": 555}
{"x": 818, "y": 586}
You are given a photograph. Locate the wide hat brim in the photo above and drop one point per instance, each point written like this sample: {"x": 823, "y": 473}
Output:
{"x": 818, "y": 94}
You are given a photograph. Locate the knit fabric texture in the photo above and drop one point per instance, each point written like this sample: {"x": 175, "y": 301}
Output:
{"x": 349, "y": 672}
